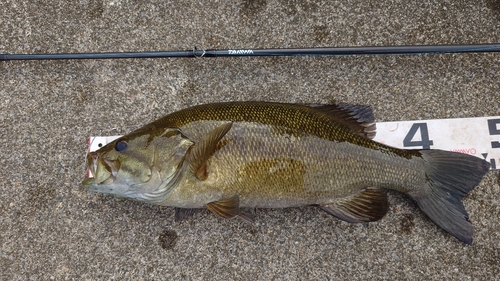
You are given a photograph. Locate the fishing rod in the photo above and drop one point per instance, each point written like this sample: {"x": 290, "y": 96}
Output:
{"x": 333, "y": 51}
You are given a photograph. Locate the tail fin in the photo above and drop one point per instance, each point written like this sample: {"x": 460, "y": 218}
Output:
{"x": 450, "y": 176}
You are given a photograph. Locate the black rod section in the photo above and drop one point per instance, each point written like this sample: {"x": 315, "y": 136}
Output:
{"x": 334, "y": 51}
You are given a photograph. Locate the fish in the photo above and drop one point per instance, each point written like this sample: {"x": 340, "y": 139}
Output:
{"x": 235, "y": 157}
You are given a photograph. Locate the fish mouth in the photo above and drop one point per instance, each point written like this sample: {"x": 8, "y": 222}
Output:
{"x": 103, "y": 170}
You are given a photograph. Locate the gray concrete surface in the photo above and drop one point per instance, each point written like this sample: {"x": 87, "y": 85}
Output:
{"x": 53, "y": 229}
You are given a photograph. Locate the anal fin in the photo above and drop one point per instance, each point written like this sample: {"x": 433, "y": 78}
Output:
{"x": 368, "y": 205}
{"x": 247, "y": 215}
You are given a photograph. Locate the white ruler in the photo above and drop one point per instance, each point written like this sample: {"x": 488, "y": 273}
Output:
{"x": 479, "y": 136}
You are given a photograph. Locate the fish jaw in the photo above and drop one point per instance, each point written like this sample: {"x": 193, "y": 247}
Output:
{"x": 103, "y": 178}
{"x": 104, "y": 173}
{"x": 103, "y": 170}
{"x": 114, "y": 190}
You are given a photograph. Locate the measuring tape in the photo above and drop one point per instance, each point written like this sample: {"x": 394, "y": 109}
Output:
{"x": 479, "y": 136}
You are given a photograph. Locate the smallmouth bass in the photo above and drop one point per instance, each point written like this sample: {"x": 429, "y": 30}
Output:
{"x": 236, "y": 155}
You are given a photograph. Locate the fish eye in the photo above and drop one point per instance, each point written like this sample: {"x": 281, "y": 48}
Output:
{"x": 120, "y": 145}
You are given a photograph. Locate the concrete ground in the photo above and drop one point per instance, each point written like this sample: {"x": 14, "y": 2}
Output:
{"x": 53, "y": 229}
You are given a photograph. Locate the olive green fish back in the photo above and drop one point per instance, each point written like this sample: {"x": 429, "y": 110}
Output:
{"x": 325, "y": 121}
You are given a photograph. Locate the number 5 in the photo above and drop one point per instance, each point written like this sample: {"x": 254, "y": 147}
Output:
{"x": 492, "y": 126}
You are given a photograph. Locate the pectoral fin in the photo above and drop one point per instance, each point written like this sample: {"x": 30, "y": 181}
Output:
{"x": 228, "y": 208}
{"x": 368, "y": 205}
{"x": 200, "y": 152}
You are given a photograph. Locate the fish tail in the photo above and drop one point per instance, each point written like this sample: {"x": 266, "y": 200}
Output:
{"x": 449, "y": 176}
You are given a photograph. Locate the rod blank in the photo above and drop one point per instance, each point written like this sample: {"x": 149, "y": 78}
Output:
{"x": 334, "y": 51}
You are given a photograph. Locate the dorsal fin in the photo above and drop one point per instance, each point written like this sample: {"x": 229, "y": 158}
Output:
{"x": 199, "y": 153}
{"x": 368, "y": 205}
{"x": 357, "y": 118}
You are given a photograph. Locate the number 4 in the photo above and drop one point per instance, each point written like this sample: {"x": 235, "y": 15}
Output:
{"x": 424, "y": 141}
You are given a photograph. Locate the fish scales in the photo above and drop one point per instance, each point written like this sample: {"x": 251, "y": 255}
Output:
{"x": 260, "y": 165}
